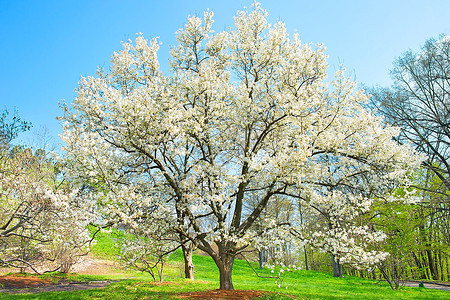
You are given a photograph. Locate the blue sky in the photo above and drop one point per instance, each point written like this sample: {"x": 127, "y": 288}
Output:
{"x": 45, "y": 46}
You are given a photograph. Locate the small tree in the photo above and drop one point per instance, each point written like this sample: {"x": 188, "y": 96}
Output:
{"x": 146, "y": 245}
{"x": 400, "y": 223}
{"x": 338, "y": 224}
{"x": 243, "y": 114}
{"x": 68, "y": 230}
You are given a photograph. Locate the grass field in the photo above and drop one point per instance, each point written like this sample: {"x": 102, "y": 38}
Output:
{"x": 300, "y": 284}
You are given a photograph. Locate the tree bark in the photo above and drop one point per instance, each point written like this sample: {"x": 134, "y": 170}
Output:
{"x": 431, "y": 265}
{"x": 261, "y": 259}
{"x": 418, "y": 265}
{"x": 441, "y": 265}
{"x": 223, "y": 257}
{"x": 160, "y": 271}
{"x": 225, "y": 269}
{"x": 337, "y": 270}
{"x": 447, "y": 268}
{"x": 188, "y": 264}
{"x": 306, "y": 258}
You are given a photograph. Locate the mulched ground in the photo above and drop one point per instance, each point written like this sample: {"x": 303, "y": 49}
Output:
{"x": 21, "y": 282}
{"x": 16, "y": 284}
{"x": 223, "y": 294}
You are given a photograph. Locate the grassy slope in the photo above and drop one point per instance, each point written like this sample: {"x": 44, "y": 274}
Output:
{"x": 302, "y": 284}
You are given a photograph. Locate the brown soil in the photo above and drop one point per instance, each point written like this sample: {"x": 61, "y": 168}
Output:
{"x": 223, "y": 294}
{"x": 96, "y": 266}
{"x": 17, "y": 284}
{"x": 20, "y": 282}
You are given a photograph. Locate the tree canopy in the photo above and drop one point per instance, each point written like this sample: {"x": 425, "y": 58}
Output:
{"x": 418, "y": 102}
{"x": 244, "y": 115}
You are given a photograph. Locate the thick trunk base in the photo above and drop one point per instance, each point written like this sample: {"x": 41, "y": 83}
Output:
{"x": 225, "y": 265}
{"x": 226, "y": 282}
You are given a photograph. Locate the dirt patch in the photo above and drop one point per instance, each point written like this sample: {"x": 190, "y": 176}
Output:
{"x": 95, "y": 266}
{"x": 157, "y": 283}
{"x": 223, "y": 294}
{"x": 17, "y": 284}
{"x": 86, "y": 265}
{"x": 21, "y": 282}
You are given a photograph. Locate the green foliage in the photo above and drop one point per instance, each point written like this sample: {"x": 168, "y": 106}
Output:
{"x": 104, "y": 246}
{"x": 11, "y": 126}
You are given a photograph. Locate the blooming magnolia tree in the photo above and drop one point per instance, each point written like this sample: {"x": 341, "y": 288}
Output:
{"x": 243, "y": 114}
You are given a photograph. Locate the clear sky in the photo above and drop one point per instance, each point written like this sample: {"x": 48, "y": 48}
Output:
{"x": 45, "y": 46}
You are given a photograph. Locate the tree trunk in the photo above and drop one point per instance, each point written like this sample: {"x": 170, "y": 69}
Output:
{"x": 431, "y": 265}
{"x": 306, "y": 258}
{"x": 418, "y": 265}
{"x": 225, "y": 268}
{"x": 447, "y": 268}
{"x": 188, "y": 264}
{"x": 261, "y": 259}
{"x": 337, "y": 270}
{"x": 160, "y": 271}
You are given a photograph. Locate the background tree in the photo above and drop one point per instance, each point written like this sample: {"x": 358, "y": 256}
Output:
{"x": 39, "y": 221}
{"x": 244, "y": 114}
{"x": 419, "y": 103}
{"x": 400, "y": 223}
{"x": 10, "y": 127}
{"x": 280, "y": 249}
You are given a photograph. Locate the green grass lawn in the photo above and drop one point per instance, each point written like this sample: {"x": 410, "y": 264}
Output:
{"x": 300, "y": 284}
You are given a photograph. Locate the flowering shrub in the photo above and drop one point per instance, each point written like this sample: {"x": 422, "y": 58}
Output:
{"x": 40, "y": 220}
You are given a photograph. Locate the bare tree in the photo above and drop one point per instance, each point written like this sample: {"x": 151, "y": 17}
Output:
{"x": 419, "y": 103}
